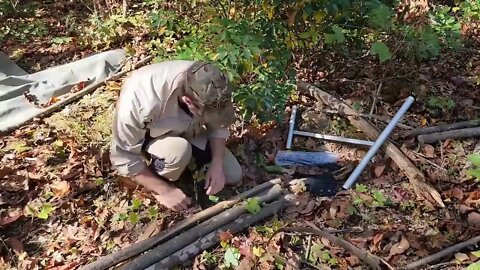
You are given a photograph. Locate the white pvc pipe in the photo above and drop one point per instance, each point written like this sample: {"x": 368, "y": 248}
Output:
{"x": 378, "y": 143}
{"x": 332, "y": 138}
{"x": 291, "y": 126}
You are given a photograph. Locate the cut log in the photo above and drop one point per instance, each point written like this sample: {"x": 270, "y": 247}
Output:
{"x": 452, "y": 134}
{"x": 441, "y": 128}
{"x": 415, "y": 176}
{"x": 213, "y": 239}
{"x": 142, "y": 246}
{"x": 166, "y": 249}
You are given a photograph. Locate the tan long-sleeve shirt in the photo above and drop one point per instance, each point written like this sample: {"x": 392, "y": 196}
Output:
{"x": 149, "y": 102}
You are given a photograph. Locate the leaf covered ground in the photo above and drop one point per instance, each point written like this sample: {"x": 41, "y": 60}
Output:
{"x": 62, "y": 206}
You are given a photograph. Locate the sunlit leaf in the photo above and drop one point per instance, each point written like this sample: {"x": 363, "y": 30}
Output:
{"x": 253, "y": 205}
{"x": 379, "y": 48}
{"x": 45, "y": 211}
{"x": 231, "y": 257}
{"x": 474, "y": 159}
{"x": 133, "y": 217}
{"x": 474, "y": 266}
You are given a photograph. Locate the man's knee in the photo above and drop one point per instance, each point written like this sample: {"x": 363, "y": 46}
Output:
{"x": 174, "y": 152}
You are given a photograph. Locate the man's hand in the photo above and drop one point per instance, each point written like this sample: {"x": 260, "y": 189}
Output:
{"x": 215, "y": 178}
{"x": 171, "y": 197}
{"x": 174, "y": 199}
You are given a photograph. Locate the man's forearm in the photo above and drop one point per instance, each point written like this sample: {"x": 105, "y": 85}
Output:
{"x": 152, "y": 182}
{"x": 218, "y": 149}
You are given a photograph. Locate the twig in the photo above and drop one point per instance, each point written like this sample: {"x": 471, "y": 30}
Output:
{"x": 376, "y": 97}
{"x": 452, "y": 134}
{"x": 9, "y": 252}
{"x": 446, "y": 127}
{"x": 371, "y": 260}
{"x": 309, "y": 244}
{"x": 142, "y": 246}
{"x": 442, "y": 254}
{"x": 441, "y": 154}
{"x": 429, "y": 161}
{"x": 372, "y": 116}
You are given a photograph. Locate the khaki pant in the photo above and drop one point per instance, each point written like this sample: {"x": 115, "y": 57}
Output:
{"x": 175, "y": 154}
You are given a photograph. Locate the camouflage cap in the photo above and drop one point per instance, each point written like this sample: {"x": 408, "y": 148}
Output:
{"x": 212, "y": 90}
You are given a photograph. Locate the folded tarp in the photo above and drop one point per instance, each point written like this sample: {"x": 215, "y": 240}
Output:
{"x": 15, "y": 109}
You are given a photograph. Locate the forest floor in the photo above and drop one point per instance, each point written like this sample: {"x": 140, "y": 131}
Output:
{"x": 62, "y": 206}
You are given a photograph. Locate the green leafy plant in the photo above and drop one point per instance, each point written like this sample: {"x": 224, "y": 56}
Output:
{"x": 253, "y": 205}
{"x": 361, "y": 188}
{"x": 153, "y": 213}
{"x": 45, "y": 211}
{"x": 319, "y": 253}
{"x": 441, "y": 104}
{"x": 382, "y": 50}
{"x": 474, "y": 266}
{"x": 231, "y": 257}
{"x": 136, "y": 204}
{"x": 475, "y": 171}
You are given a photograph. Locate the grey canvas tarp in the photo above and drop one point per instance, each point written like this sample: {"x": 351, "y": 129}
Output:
{"x": 15, "y": 109}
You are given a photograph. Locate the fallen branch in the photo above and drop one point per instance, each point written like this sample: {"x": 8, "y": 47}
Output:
{"x": 440, "y": 128}
{"x": 442, "y": 254}
{"x": 372, "y": 116}
{"x": 452, "y": 134}
{"x": 166, "y": 249}
{"x": 371, "y": 260}
{"x": 213, "y": 239}
{"x": 88, "y": 89}
{"x": 415, "y": 176}
{"x": 142, "y": 246}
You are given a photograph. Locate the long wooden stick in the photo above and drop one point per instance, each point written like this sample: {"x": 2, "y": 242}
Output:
{"x": 371, "y": 260}
{"x": 452, "y": 134}
{"x": 415, "y": 176}
{"x": 213, "y": 239}
{"x": 443, "y": 253}
{"x": 440, "y": 128}
{"x": 142, "y": 246}
{"x": 182, "y": 240}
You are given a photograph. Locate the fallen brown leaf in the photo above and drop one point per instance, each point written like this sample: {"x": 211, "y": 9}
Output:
{"x": 429, "y": 151}
{"x": 246, "y": 264}
{"x": 473, "y": 198}
{"x": 474, "y": 219}
{"x": 399, "y": 247}
{"x": 5, "y": 170}
{"x": 151, "y": 230}
{"x": 14, "y": 183}
{"x": 378, "y": 170}
{"x": 376, "y": 242}
{"x": 310, "y": 144}
{"x": 225, "y": 236}
{"x": 461, "y": 257}
{"x": 60, "y": 188}
{"x": 16, "y": 245}
{"x": 10, "y": 218}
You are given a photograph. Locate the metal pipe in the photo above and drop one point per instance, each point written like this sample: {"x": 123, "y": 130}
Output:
{"x": 332, "y": 138}
{"x": 378, "y": 143}
{"x": 291, "y": 126}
